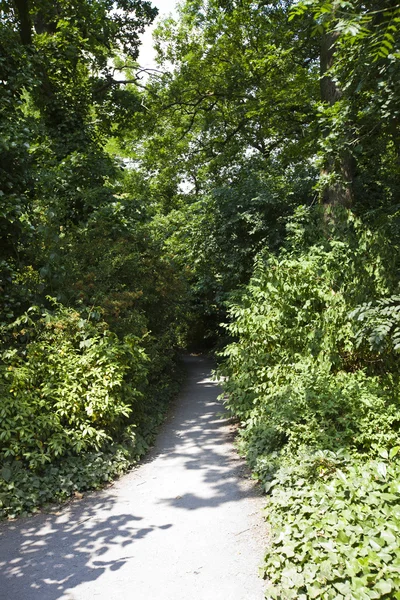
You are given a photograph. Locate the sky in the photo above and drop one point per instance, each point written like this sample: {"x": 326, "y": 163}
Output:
{"x": 146, "y": 56}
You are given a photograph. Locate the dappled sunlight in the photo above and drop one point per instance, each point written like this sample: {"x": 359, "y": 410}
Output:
{"x": 99, "y": 546}
{"x": 198, "y": 443}
{"x": 48, "y": 555}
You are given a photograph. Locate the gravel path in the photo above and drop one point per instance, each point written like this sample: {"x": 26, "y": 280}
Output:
{"x": 184, "y": 525}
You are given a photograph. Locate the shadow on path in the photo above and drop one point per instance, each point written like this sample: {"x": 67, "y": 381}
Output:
{"x": 196, "y": 437}
{"x": 43, "y": 556}
{"x": 192, "y": 467}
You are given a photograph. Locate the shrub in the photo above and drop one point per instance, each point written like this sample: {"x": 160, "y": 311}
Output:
{"x": 305, "y": 380}
{"x": 69, "y": 386}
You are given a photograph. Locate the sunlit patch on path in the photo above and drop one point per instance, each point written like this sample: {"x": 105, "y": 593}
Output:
{"x": 186, "y": 524}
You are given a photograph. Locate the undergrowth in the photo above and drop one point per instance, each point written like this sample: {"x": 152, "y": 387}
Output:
{"x": 79, "y": 405}
{"x": 313, "y": 375}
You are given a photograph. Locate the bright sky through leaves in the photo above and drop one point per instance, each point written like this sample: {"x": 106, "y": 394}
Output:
{"x": 146, "y": 56}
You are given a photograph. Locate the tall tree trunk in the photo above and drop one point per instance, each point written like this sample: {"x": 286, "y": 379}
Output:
{"x": 25, "y": 22}
{"x": 339, "y": 193}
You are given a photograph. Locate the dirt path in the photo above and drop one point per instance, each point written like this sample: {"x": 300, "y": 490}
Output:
{"x": 184, "y": 525}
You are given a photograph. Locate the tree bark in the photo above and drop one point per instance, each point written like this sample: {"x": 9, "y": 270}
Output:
{"x": 25, "y": 22}
{"x": 339, "y": 193}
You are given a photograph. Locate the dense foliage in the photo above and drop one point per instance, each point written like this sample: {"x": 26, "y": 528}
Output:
{"x": 319, "y": 405}
{"x": 243, "y": 194}
{"x": 91, "y": 307}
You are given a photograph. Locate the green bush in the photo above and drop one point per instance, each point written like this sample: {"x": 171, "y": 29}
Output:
{"x": 23, "y": 490}
{"x": 78, "y": 406}
{"x": 71, "y": 388}
{"x": 305, "y": 382}
{"x": 92, "y": 372}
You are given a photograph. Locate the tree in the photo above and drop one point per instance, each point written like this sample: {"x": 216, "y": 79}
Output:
{"x": 359, "y": 91}
{"x": 231, "y": 86}
{"x": 226, "y": 137}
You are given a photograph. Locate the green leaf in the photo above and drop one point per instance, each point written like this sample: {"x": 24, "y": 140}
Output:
{"x": 382, "y": 470}
{"x": 6, "y": 473}
{"x": 389, "y": 537}
{"x": 384, "y": 587}
{"x": 394, "y": 451}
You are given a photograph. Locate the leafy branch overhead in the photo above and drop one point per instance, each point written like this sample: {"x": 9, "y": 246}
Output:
{"x": 356, "y": 23}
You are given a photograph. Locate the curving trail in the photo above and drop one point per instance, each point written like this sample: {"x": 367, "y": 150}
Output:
{"x": 186, "y": 524}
